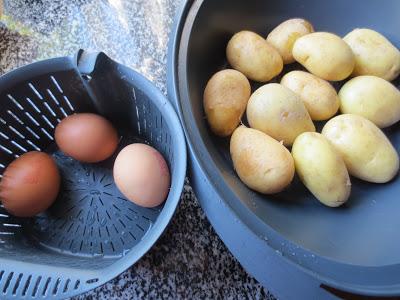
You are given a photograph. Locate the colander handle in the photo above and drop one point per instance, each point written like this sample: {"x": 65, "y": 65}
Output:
{"x": 86, "y": 61}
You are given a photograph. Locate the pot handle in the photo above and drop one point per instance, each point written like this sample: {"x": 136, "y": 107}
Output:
{"x": 86, "y": 61}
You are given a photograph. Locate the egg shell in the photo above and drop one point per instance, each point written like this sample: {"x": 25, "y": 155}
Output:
{"x": 30, "y": 184}
{"x": 142, "y": 175}
{"x": 86, "y": 137}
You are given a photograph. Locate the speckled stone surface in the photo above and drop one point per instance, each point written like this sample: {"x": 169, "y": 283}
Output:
{"x": 189, "y": 261}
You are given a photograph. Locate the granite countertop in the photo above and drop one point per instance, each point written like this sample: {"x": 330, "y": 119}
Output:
{"x": 189, "y": 261}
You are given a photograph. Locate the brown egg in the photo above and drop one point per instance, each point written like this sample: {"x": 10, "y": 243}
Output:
{"x": 86, "y": 137}
{"x": 142, "y": 175}
{"x": 30, "y": 184}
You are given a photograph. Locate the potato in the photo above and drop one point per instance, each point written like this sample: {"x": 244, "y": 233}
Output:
{"x": 225, "y": 99}
{"x": 373, "y": 98}
{"x": 325, "y": 55}
{"x": 278, "y": 112}
{"x": 366, "y": 151}
{"x": 252, "y": 55}
{"x": 318, "y": 95}
{"x": 262, "y": 163}
{"x": 375, "y": 55}
{"x": 285, "y": 34}
{"x": 321, "y": 169}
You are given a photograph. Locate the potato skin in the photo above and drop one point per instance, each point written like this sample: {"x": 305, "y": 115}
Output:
{"x": 325, "y": 55}
{"x": 366, "y": 151}
{"x": 375, "y": 54}
{"x": 252, "y": 55}
{"x": 321, "y": 169}
{"x": 373, "y": 98}
{"x": 318, "y": 95}
{"x": 225, "y": 99}
{"x": 262, "y": 163}
{"x": 285, "y": 34}
{"x": 278, "y": 112}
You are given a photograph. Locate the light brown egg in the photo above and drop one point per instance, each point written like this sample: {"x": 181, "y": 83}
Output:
{"x": 86, "y": 137}
{"x": 142, "y": 175}
{"x": 30, "y": 184}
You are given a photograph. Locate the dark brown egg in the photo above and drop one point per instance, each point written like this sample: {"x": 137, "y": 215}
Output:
{"x": 30, "y": 184}
{"x": 86, "y": 137}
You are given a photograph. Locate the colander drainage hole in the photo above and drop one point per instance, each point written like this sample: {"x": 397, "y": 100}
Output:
{"x": 7, "y": 284}
{"x": 77, "y": 283}
{"x": 90, "y": 281}
{"x": 57, "y": 85}
{"x": 56, "y": 286}
{"x": 66, "y": 285}
{"x": 17, "y": 284}
{"x": 26, "y": 286}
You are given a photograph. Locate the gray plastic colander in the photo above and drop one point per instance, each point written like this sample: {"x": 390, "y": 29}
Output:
{"x": 92, "y": 233}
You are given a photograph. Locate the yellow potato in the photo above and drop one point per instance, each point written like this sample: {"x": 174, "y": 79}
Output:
{"x": 373, "y": 98}
{"x": 318, "y": 95}
{"x": 285, "y": 34}
{"x": 225, "y": 99}
{"x": 375, "y": 55}
{"x": 366, "y": 151}
{"x": 262, "y": 163}
{"x": 278, "y": 112}
{"x": 321, "y": 169}
{"x": 325, "y": 55}
{"x": 252, "y": 55}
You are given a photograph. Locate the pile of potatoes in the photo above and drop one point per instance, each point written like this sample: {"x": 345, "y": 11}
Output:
{"x": 281, "y": 115}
